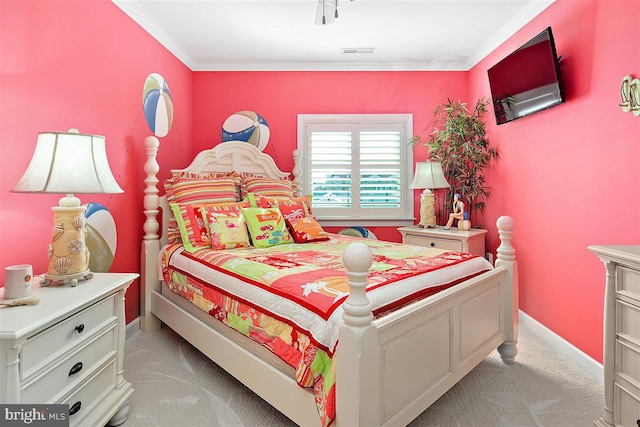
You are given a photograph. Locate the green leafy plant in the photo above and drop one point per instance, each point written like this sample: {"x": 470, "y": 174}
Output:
{"x": 459, "y": 142}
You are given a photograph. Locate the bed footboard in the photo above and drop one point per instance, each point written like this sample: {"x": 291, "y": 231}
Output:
{"x": 391, "y": 369}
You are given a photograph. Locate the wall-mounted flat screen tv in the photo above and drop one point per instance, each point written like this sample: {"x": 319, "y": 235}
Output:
{"x": 528, "y": 80}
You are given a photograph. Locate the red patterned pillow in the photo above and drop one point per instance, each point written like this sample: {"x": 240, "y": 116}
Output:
{"x": 291, "y": 207}
{"x": 306, "y": 229}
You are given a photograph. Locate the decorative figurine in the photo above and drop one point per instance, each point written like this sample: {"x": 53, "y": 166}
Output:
{"x": 458, "y": 213}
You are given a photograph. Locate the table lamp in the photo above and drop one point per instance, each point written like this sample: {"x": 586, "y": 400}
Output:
{"x": 429, "y": 176}
{"x": 66, "y": 163}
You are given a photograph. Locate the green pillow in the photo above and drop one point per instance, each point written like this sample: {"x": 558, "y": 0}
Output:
{"x": 266, "y": 227}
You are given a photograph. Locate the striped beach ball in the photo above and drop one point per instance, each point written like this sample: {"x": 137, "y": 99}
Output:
{"x": 246, "y": 126}
{"x": 157, "y": 105}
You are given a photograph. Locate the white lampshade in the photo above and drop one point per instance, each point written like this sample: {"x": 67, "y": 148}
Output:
{"x": 429, "y": 175}
{"x": 68, "y": 162}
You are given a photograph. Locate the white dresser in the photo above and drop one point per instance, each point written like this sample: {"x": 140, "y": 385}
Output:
{"x": 621, "y": 352}
{"x": 69, "y": 349}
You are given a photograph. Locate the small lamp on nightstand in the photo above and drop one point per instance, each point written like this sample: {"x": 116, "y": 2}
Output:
{"x": 65, "y": 163}
{"x": 429, "y": 176}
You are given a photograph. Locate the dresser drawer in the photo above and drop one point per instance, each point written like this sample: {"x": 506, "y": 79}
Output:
{"x": 628, "y": 362}
{"x": 44, "y": 388}
{"x": 444, "y": 244}
{"x": 626, "y": 407}
{"x": 628, "y": 321}
{"x": 91, "y": 393}
{"x": 39, "y": 349}
{"x": 628, "y": 283}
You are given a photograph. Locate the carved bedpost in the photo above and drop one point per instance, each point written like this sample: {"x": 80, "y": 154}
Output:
{"x": 297, "y": 171}
{"x": 357, "y": 356}
{"x": 507, "y": 258}
{"x": 151, "y": 243}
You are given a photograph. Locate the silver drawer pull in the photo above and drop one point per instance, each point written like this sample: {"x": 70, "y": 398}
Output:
{"x": 75, "y": 408}
{"x": 75, "y": 369}
{"x": 80, "y": 328}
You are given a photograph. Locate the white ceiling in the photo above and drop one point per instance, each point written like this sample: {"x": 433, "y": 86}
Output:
{"x": 282, "y": 34}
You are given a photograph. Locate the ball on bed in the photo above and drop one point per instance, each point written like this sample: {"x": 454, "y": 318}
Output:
{"x": 246, "y": 126}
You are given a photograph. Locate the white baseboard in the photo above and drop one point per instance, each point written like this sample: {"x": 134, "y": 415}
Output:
{"x": 563, "y": 346}
{"x": 132, "y": 328}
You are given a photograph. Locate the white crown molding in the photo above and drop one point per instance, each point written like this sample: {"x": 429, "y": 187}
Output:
{"x": 142, "y": 18}
{"x": 509, "y": 29}
{"x": 333, "y": 66}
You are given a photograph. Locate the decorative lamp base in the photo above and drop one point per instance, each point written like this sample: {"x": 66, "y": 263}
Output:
{"x": 72, "y": 279}
{"x": 427, "y": 210}
{"x": 68, "y": 253}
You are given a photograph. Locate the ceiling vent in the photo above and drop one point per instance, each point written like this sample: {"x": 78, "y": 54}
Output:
{"x": 358, "y": 49}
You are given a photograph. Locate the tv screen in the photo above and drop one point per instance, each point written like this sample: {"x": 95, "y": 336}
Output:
{"x": 526, "y": 81}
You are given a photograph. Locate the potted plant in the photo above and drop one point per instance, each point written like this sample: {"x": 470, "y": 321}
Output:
{"x": 459, "y": 143}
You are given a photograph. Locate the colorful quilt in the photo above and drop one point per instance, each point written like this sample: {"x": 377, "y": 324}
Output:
{"x": 289, "y": 297}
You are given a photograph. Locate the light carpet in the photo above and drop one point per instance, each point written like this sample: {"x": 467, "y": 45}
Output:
{"x": 175, "y": 385}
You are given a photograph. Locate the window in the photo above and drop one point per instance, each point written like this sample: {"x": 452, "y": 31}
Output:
{"x": 358, "y": 167}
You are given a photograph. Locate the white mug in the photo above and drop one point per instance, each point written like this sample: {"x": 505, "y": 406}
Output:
{"x": 17, "y": 281}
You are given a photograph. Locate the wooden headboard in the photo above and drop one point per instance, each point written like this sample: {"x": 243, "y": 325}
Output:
{"x": 224, "y": 157}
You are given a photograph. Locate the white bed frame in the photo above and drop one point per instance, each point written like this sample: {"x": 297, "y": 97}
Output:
{"x": 389, "y": 370}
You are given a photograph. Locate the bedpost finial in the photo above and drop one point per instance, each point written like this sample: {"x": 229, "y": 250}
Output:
{"x": 505, "y": 223}
{"x": 358, "y": 257}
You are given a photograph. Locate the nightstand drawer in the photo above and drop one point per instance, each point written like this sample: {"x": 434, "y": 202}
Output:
{"x": 90, "y": 394}
{"x": 628, "y": 283}
{"x": 37, "y": 352}
{"x": 71, "y": 371}
{"x": 448, "y": 245}
{"x": 628, "y": 322}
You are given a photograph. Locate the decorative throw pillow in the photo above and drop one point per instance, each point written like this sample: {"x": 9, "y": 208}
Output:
{"x": 266, "y": 186}
{"x": 193, "y": 228}
{"x": 306, "y": 229}
{"x": 227, "y": 230}
{"x": 290, "y": 207}
{"x": 201, "y": 190}
{"x": 173, "y": 231}
{"x": 266, "y": 227}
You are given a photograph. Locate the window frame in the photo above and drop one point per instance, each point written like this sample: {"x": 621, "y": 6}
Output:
{"x": 406, "y": 168}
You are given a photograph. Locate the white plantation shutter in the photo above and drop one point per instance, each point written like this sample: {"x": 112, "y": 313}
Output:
{"x": 357, "y": 166}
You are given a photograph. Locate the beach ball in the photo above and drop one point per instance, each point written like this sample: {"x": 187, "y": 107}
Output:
{"x": 101, "y": 237}
{"x": 246, "y": 126}
{"x": 157, "y": 105}
{"x": 357, "y": 231}
{"x": 464, "y": 224}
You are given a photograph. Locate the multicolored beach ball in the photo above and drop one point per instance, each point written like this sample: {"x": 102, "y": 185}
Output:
{"x": 157, "y": 105}
{"x": 102, "y": 238}
{"x": 246, "y": 126}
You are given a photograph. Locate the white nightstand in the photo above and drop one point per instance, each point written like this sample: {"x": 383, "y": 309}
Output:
{"x": 69, "y": 349}
{"x": 454, "y": 239}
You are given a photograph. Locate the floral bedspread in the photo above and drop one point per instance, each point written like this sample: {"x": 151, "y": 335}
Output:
{"x": 288, "y": 297}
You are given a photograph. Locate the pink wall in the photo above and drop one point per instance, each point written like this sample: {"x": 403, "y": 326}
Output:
{"x": 80, "y": 64}
{"x": 280, "y": 96}
{"x": 570, "y": 175}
